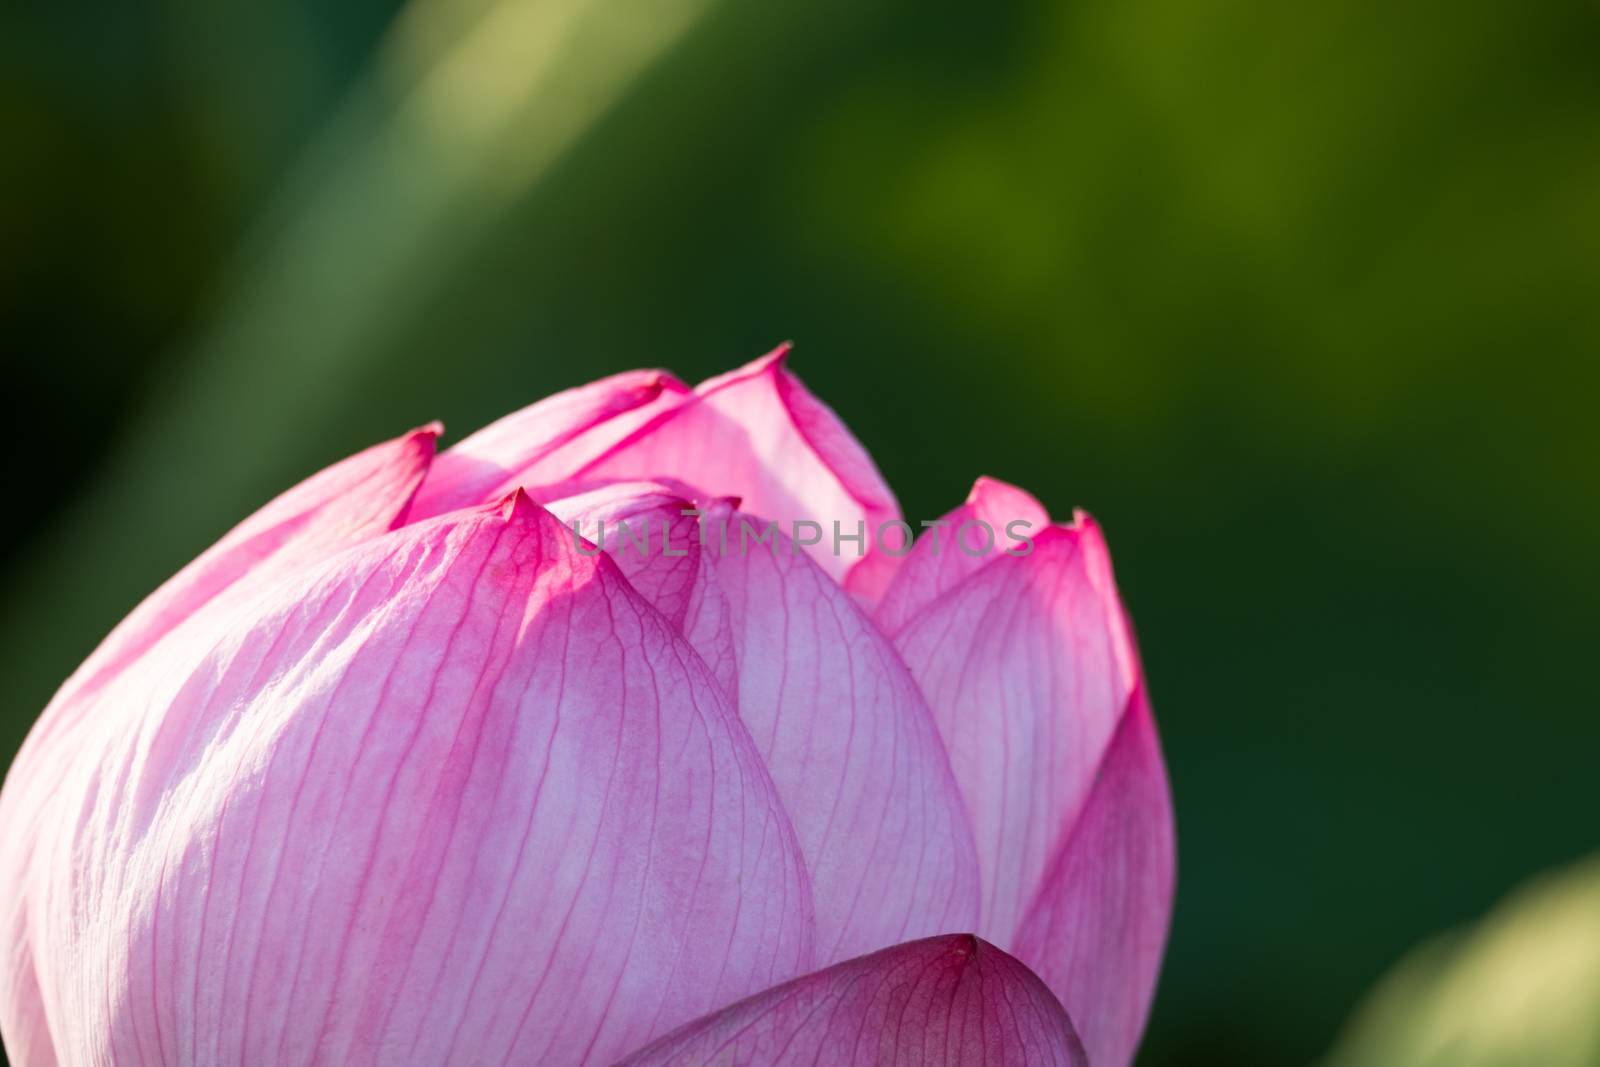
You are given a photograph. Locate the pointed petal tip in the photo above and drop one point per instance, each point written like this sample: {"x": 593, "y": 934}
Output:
{"x": 658, "y": 381}
{"x": 1083, "y": 531}
{"x": 424, "y": 443}
{"x": 773, "y": 362}
{"x": 516, "y": 504}
{"x": 773, "y": 359}
{"x": 985, "y": 484}
{"x": 966, "y": 946}
{"x": 998, "y": 495}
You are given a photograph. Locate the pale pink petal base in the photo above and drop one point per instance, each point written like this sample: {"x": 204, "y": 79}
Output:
{"x": 950, "y": 1001}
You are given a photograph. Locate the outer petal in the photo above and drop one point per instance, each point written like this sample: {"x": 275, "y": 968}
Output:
{"x": 845, "y": 733}
{"x": 354, "y": 500}
{"x": 548, "y": 441}
{"x": 458, "y": 795}
{"x": 758, "y": 434}
{"x": 1098, "y": 925}
{"x": 1029, "y": 667}
{"x": 948, "y": 552}
{"x": 950, "y": 1000}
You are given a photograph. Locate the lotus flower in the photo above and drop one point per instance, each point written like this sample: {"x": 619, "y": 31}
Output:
{"x": 406, "y": 770}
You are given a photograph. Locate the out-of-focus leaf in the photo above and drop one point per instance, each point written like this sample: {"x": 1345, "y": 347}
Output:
{"x": 1520, "y": 989}
{"x": 469, "y": 104}
{"x": 466, "y": 106}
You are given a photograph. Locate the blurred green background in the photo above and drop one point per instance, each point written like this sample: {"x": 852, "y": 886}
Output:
{"x": 1299, "y": 300}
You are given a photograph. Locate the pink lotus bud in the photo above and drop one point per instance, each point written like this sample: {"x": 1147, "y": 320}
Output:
{"x": 573, "y": 744}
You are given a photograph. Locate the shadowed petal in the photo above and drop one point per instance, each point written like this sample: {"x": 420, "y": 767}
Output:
{"x": 456, "y": 796}
{"x": 942, "y": 1002}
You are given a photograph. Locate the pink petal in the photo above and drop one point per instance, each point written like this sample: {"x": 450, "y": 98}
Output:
{"x": 1027, "y": 670}
{"x": 846, "y": 735}
{"x": 854, "y": 751}
{"x": 941, "y": 1002}
{"x": 22, "y": 1019}
{"x": 946, "y": 553}
{"x": 759, "y": 435}
{"x": 458, "y": 795}
{"x": 352, "y": 501}
{"x": 548, "y": 441}
{"x": 1098, "y": 925}
{"x": 1029, "y": 666}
